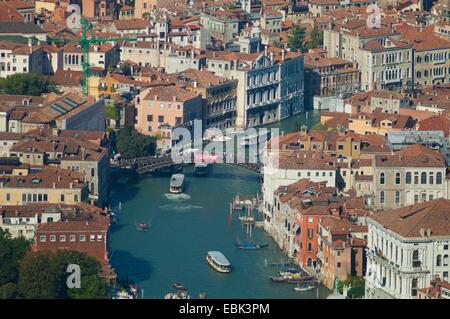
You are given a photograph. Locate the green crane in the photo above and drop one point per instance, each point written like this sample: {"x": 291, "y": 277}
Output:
{"x": 86, "y": 43}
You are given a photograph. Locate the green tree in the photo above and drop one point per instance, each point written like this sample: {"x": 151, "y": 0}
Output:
{"x": 125, "y": 69}
{"x": 316, "y": 39}
{"x": 132, "y": 144}
{"x": 295, "y": 39}
{"x": 9, "y": 291}
{"x": 11, "y": 252}
{"x": 40, "y": 277}
{"x": 26, "y": 84}
{"x": 92, "y": 286}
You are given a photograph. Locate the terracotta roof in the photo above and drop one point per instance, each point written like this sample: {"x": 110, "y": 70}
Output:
{"x": 436, "y": 123}
{"x": 133, "y": 24}
{"x": 412, "y": 156}
{"x": 299, "y": 160}
{"x": 410, "y": 221}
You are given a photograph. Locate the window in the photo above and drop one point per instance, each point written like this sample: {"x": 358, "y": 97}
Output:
{"x": 92, "y": 238}
{"x": 72, "y": 238}
{"x": 161, "y": 118}
{"x": 431, "y": 178}
{"x": 150, "y": 118}
{"x": 416, "y": 178}
{"x": 397, "y": 178}
{"x": 438, "y": 178}
{"x": 408, "y": 178}
{"x": 53, "y": 238}
{"x": 423, "y": 178}
{"x": 42, "y": 238}
{"x": 62, "y": 238}
{"x": 82, "y": 238}
{"x": 309, "y": 247}
{"x": 339, "y": 265}
{"x": 310, "y": 233}
{"x": 445, "y": 260}
{"x": 62, "y": 197}
{"x": 381, "y": 197}
{"x": 438, "y": 260}
{"x": 382, "y": 178}
{"x": 397, "y": 198}
{"x": 414, "y": 287}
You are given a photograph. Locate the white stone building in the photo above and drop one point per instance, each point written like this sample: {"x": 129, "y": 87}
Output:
{"x": 407, "y": 248}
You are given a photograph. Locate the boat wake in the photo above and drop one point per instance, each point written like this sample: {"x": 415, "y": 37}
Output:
{"x": 179, "y": 208}
{"x": 177, "y": 197}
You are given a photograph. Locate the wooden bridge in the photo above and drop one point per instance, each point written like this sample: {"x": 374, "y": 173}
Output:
{"x": 150, "y": 164}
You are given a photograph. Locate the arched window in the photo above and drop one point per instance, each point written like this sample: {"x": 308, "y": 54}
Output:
{"x": 445, "y": 261}
{"x": 381, "y": 197}
{"x": 309, "y": 262}
{"x": 431, "y": 178}
{"x": 382, "y": 178}
{"x": 438, "y": 260}
{"x": 438, "y": 178}
{"x": 408, "y": 178}
{"x": 309, "y": 247}
{"x": 397, "y": 178}
{"x": 397, "y": 198}
{"x": 423, "y": 178}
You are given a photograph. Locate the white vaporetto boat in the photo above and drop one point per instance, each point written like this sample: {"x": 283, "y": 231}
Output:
{"x": 176, "y": 183}
{"x": 218, "y": 261}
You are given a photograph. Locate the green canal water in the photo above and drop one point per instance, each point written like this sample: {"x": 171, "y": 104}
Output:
{"x": 185, "y": 227}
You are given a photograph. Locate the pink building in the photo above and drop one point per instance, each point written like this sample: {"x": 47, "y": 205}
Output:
{"x": 161, "y": 108}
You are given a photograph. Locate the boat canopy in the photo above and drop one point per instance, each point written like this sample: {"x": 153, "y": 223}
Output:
{"x": 219, "y": 258}
{"x": 177, "y": 180}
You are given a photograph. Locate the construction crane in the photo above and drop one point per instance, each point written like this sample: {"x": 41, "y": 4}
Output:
{"x": 88, "y": 38}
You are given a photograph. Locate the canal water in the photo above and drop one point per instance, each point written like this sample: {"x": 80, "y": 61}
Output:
{"x": 183, "y": 228}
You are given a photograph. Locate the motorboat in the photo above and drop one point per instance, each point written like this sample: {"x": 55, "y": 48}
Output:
{"x": 178, "y": 286}
{"x": 201, "y": 169}
{"x": 142, "y": 226}
{"x": 304, "y": 288}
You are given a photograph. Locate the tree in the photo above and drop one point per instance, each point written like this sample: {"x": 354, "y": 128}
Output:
{"x": 92, "y": 286}
{"x": 11, "y": 252}
{"x": 316, "y": 39}
{"x": 9, "y": 291}
{"x": 125, "y": 69}
{"x": 40, "y": 277}
{"x": 26, "y": 84}
{"x": 132, "y": 144}
{"x": 295, "y": 39}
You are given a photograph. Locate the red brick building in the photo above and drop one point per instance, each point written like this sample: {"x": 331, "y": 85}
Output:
{"x": 83, "y": 229}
